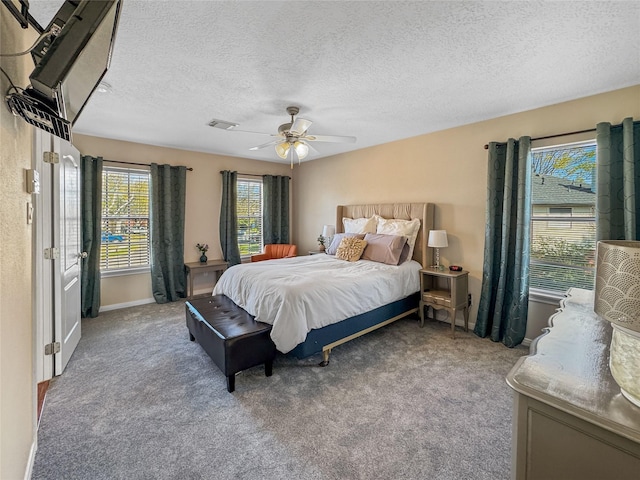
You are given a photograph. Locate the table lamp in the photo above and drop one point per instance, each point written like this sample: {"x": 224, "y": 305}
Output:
{"x": 617, "y": 300}
{"x": 328, "y": 231}
{"x": 437, "y": 240}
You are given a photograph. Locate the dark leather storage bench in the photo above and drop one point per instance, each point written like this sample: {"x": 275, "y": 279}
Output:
{"x": 230, "y": 336}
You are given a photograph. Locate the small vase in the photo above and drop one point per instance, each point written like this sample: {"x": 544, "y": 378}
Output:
{"x": 321, "y": 248}
{"x": 203, "y": 258}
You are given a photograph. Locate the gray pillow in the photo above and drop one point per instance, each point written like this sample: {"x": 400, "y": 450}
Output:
{"x": 384, "y": 248}
{"x": 337, "y": 238}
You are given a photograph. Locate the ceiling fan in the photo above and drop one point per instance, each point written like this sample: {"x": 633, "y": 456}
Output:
{"x": 293, "y": 138}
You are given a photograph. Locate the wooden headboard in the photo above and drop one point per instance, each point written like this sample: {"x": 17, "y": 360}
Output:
{"x": 405, "y": 211}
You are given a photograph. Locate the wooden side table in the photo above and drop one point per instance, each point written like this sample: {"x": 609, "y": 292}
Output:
{"x": 218, "y": 266}
{"x": 446, "y": 290}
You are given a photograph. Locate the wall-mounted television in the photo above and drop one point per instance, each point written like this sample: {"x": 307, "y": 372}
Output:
{"x": 70, "y": 60}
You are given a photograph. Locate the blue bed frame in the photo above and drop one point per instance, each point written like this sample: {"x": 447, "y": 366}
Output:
{"x": 324, "y": 339}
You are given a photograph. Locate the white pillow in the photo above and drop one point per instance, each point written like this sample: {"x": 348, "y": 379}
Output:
{"x": 360, "y": 225}
{"x": 406, "y": 228}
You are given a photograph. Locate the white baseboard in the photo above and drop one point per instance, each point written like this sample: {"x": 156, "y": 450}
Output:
{"x": 135, "y": 303}
{"x": 32, "y": 459}
{"x": 527, "y": 342}
{"x": 205, "y": 291}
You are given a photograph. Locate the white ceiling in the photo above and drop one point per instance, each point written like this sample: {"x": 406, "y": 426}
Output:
{"x": 380, "y": 71}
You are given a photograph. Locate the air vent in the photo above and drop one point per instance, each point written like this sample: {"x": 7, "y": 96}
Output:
{"x": 224, "y": 125}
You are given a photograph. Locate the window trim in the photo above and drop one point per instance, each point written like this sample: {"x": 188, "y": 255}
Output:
{"x": 139, "y": 269}
{"x": 118, "y": 272}
{"x": 541, "y": 295}
{"x": 253, "y": 179}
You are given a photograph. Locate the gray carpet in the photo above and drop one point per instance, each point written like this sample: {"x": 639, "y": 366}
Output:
{"x": 138, "y": 400}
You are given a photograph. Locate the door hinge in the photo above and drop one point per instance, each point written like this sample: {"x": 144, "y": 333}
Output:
{"x": 52, "y": 348}
{"x": 51, "y": 253}
{"x": 50, "y": 157}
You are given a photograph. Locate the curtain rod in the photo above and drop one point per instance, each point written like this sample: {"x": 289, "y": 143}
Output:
{"x": 486, "y": 147}
{"x": 133, "y": 163}
{"x": 251, "y": 174}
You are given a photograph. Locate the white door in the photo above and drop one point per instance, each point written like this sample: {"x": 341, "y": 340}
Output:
{"x": 67, "y": 236}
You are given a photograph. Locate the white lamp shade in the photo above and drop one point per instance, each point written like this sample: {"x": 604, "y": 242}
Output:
{"x": 617, "y": 290}
{"x": 328, "y": 231}
{"x": 437, "y": 239}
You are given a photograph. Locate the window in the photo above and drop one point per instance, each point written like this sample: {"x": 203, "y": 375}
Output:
{"x": 249, "y": 211}
{"x": 125, "y": 220}
{"x": 559, "y": 212}
{"x": 562, "y": 250}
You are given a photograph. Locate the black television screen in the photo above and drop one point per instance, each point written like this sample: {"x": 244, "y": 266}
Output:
{"x": 70, "y": 60}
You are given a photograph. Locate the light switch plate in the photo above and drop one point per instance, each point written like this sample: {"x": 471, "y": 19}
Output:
{"x": 33, "y": 181}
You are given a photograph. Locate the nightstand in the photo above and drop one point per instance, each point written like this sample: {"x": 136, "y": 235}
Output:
{"x": 316, "y": 252}
{"x": 445, "y": 290}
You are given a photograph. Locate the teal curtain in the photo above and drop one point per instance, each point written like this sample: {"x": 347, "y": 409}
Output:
{"x": 167, "y": 199}
{"x": 618, "y": 181}
{"x": 91, "y": 219}
{"x": 275, "y": 209}
{"x": 229, "y": 218}
{"x": 504, "y": 299}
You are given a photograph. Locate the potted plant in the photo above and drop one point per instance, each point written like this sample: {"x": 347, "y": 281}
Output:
{"x": 203, "y": 250}
{"x": 321, "y": 245}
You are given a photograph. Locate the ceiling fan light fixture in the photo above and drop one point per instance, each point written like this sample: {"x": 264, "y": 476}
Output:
{"x": 282, "y": 149}
{"x": 302, "y": 149}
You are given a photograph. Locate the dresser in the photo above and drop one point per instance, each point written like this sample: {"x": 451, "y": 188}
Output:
{"x": 570, "y": 420}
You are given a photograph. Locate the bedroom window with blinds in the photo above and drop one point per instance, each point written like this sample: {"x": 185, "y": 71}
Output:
{"x": 563, "y": 224}
{"x": 125, "y": 242}
{"x": 249, "y": 210}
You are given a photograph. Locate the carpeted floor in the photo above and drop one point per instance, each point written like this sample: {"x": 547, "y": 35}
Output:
{"x": 138, "y": 400}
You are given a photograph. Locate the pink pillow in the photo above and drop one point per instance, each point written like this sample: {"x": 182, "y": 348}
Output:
{"x": 384, "y": 248}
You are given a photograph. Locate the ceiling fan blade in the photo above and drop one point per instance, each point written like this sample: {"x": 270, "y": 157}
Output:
{"x": 300, "y": 125}
{"x": 264, "y": 145}
{"x": 313, "y": 150}
{"x": 330, "y": 138}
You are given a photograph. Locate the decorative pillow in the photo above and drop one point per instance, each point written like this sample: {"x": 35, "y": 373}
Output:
{"x": 360, "y": 225}
{"x": 337, "y": 238}
{"x": 384, "y": 248}
{"x": 406, "y": 228}
{"x": 350, "y": 249}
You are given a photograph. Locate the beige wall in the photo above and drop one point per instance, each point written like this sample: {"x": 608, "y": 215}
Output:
{"x": 448, "y": 168}
{"x": 17, "y": 375}
{"x": 202, "y": 217}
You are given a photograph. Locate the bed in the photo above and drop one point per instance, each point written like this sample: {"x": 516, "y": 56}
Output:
{"x": 317, "y": 302}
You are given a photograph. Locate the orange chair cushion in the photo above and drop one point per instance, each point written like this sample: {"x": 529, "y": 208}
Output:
{"x": 276, "y": 250}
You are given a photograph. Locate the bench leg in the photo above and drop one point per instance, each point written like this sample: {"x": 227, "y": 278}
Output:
{"x": 268, "y": 368}
{"x": 231, "y": 383}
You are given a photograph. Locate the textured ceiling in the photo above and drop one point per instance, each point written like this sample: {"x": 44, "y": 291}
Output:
{"x": 379, "y": 71}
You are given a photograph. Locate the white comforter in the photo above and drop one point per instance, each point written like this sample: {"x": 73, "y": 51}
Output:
{"x": 298, "y": 294}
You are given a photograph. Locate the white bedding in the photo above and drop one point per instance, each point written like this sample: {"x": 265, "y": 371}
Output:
{"x": 299, "y": 294}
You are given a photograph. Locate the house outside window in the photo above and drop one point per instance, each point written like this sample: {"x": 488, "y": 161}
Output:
{"x": 125, "y": 240}
{"x": 563, "y": 250}
{"x": 249, "y": 211}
